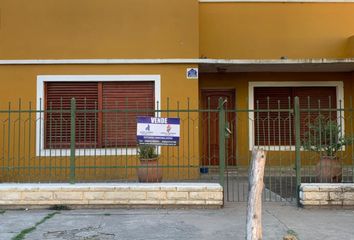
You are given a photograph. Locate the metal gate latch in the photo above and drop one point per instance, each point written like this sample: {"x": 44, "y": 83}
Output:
{"x": 227, "y": 131}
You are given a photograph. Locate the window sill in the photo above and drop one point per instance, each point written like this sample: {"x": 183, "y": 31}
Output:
{"x": 129, "y": 151}
{"x": 274, "y": 148}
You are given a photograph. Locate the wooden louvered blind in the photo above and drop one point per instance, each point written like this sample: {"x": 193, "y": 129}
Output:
{"x": 277, "y": 128}
{"x": 119, "y": 128}
{"x": 272, "y": 128}
{"x": 316, "y": 98}
{"x": 57, "y": 122}
{"x": 115, "y": 128}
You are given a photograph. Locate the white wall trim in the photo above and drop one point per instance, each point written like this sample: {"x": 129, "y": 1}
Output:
{"x": 174, "y": 61}
{"x": 41, "y": 79}
{"x": 276, "y": 1}
{"x": 98, "y": 61}
{"x": 251, "y": 85}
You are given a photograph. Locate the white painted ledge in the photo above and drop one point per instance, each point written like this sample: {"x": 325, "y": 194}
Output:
{"x": 98, "y": 61}
{"x": 11, "y": 186}
{"x": 276, "y": 1}
{"x": 175, "y": 61}
{"x": 327, "y": 194}
{"x": 113, "y": 194}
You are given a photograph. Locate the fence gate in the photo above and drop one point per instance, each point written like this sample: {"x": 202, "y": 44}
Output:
{"x": 299, "y": 136}
{"x": 238, "y": 131}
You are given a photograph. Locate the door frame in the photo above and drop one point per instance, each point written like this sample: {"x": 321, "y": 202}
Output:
{"x": 232, "y": 92}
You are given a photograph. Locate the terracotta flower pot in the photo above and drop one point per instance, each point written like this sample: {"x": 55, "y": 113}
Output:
{"x": 329, "y": 170}
{"x": 149, "y": 171}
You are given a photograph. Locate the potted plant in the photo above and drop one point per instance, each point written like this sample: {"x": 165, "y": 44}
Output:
{"x": 325, "y": 137}
{"x": 148, "y": 170}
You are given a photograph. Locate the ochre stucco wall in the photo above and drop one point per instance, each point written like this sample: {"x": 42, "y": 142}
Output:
{"x": 351, "y": 46}
{"x": 21, "y": 81}
{"x": 65, "y": 29}
{"x": 273, "y": 30}
{"x": 240, "y": 81}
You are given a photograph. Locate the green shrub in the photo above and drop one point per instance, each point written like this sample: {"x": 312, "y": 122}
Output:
{"x": 325, "y": 135}
{"x": 147, "y": 152}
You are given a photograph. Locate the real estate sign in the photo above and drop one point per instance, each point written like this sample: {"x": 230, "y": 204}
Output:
{"x": 158, "y": 131}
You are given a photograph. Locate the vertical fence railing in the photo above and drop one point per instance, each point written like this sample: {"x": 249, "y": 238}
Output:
{"x": 297, "y": 120}
{"x": 72, "y": 139}
{"x": 61, "y": 143}
{"x": 63, "y": 152}
{"x": 221, "y": 112}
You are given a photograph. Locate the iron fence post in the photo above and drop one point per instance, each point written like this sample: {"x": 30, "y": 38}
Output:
{"x": 221, "y": 141}
{"x": 297, "y": 147}
{"x": 72, "y": 140}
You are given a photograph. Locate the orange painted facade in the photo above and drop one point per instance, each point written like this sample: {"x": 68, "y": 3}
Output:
{"x": 172, "y": 36}
{"x": 273, "y": 30}
{"x": 96, "y": 29}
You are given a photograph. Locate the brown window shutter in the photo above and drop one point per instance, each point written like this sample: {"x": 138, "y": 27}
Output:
{"x": 119, "y": 127}
{"x": 57, "y": 124}
{"x": 315, "y": 98}
{"x": 277, "y": 129}
{"x": 272, "y": 128}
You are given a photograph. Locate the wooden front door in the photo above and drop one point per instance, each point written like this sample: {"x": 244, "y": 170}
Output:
{"x": 210, "y": 126}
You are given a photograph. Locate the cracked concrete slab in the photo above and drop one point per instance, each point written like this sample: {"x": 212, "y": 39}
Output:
{"x": 317, "y": 223}
{"x": 14, "y": 221}
{"x": 151, "y": 224}
{"x": 221, "y": 224}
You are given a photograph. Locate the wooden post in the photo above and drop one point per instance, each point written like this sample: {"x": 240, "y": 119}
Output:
{"x": 255, "y": 189}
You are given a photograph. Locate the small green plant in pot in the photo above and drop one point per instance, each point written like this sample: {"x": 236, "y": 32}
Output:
{"x": 325, "y": 137}
{"x": 149, "y": 170}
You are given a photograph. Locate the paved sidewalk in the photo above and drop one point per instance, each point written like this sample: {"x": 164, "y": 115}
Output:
{"x": 220, "y": 224}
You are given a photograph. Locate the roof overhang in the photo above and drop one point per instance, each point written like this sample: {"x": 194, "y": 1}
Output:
{"x": 281, "y": 65}
{"x": 213, "y": 65}
{"x": 276, "y": 1}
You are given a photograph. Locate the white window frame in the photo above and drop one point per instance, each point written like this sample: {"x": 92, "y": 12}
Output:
{"x": 251, "y": 85}
{"x": 42, "y": 79}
